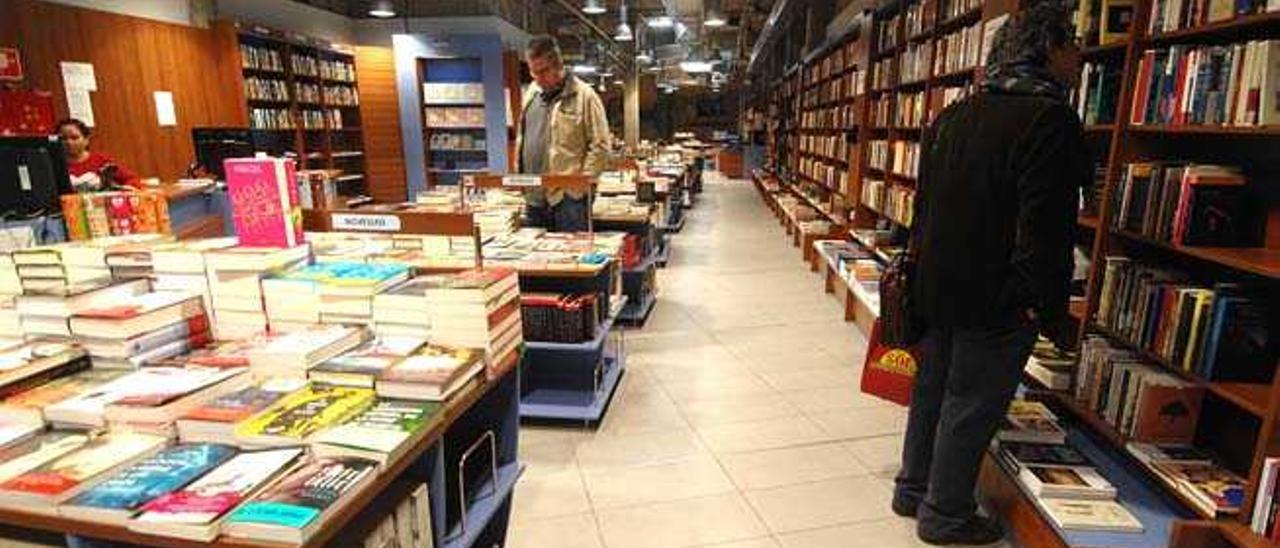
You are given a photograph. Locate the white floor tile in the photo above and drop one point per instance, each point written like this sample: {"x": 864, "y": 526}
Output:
{"x": 821, "y": 504}
{"x": 677, "y": 524}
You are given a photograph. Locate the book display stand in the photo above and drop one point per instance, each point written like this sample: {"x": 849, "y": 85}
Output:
{"x": 570, "y": 381}
{"x": 843, "y": 138}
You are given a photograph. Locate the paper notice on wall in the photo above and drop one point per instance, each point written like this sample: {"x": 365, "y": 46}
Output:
{"x": 79, "y": 79}
{"x": 165, "y": 112}
{"x": 79, "y": 76}
{"x": 79, "y": 106}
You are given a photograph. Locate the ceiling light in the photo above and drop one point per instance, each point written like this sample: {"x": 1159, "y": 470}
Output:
{"x": 696, "y": 66}
{"x": 593, "y": 7}
{"x": 644, "y": 56}
{"x": 624, "y": 33}
{"x": 584, "y": 68}
{"x": 618, "y": 81}
{"x": 661, "y": 22}
{"x": 382, "y": 10}
{"x": 714, "y": 19}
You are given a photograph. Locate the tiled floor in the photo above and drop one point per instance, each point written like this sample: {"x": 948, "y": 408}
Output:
{"x": 738, "y": 424}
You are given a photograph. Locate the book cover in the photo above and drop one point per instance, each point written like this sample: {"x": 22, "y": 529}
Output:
{"x": 298, "y": 498}
{"x": 24, "y": 457}
{"x": 264, "y": 201}
{"x": 1044, "y": 454}
{"x": 1167, "y": 414}
{"x": 1089, "y": 515}
{"x": 306, "y": 412}
{"x": 433, "y": 364}
{"x": 157, "y": 475}
{"x": 383, "y": 427}
{"x": 361, "y": 366}
{"x": 155, "y": 386}
{"x": 240, "y": 404}
{"x": 1217, "y": 490}
{"x": 60, "y": 389}
{"x": 220, "y": 490}
{"x": 66, "y": 473}
{"x": 1080, "y": 482}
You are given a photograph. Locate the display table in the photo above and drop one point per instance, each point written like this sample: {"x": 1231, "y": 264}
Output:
{"x": 198, "y": 210}
{"x": 433, "y": 456}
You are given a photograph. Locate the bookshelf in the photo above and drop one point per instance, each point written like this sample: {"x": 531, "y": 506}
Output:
{"x": 918, "y": 57}
{"x": 301, "y": 98}
{"x": 453, "y": 118}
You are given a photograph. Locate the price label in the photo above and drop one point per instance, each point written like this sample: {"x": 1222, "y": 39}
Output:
{"x": 365, "y": 222}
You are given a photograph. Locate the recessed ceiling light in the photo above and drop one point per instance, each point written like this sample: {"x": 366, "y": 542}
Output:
{"x": 594, "y": 7}
{"x": 714, "y": 18}
{"x": 661, "y": 22}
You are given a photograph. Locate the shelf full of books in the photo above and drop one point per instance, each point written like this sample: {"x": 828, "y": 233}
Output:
{"x": 301, "y": 97}
{"x": 454, "y": 119}
{"x": 1179, "y": 319}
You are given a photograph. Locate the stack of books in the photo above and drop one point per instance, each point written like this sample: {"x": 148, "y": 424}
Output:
{"x": 49, "y": 482}
{"x": 235, "y": 283}
{"x": 181, "y": 267}
{"x": 120, "y": 497}
{"x": 10, "y": 282}
{"x": 293, "y": 354}
{"x": 1060, "y": 480}
{"x": 215, "y": 421}
{"x": 559, "y": 318}
{"x": 28, "y": 405}
{"x": 48, "y": 312}
{"x": 363, "y": 365}
{"x": 433, "y": 373}
{"x": 478, "y": 309}
{"x": 134, "y": 330}
{"x": 1050, "y": 366}
{"x": 147, "y": 399}
{"x": 402, "y": 310}
{"x": 293, "y": 419}
{"x": 61, "y": 266}
{"x": 26, "y": 366}
{"x": 381, "y": 433}
{"x": 293, "y": 507}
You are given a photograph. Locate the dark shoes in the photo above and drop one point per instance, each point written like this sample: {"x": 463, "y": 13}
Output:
{"x": 905, "y": 507}
{"x": 977, "y": 530}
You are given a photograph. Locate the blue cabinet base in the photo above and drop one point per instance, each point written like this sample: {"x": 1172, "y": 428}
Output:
{"x": 564, "y": 404}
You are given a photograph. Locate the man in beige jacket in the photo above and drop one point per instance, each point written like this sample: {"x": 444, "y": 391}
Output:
{"x": 563, "y": 129}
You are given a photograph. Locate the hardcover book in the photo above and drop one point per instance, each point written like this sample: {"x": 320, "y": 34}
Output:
{"x": 195, "y": 512}
{"x": 120, "y": 496}
{"x": 290, "y": 509}
{"x": 295, "y": 418}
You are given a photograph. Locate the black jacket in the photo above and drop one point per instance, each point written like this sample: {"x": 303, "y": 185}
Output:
{"x": 996, "y": 211}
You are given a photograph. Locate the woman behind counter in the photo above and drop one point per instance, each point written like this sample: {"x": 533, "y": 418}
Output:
{"x": 91, "y": 171}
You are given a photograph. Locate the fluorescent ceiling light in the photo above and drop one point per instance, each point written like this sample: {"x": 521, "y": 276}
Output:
{"x": 692, "y": 66}
{"x": 594, "y": 7}
{"x": 714, "y": 19}
{"x": 382, "y": 10}
{"x": 661, "y": 22}
{"x": 584, "y": 69}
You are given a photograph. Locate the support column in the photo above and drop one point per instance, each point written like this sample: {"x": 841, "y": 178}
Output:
{"x": 631, "y": 109}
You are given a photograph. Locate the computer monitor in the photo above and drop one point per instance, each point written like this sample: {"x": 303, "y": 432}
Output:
{"x": 214, "y": 144}
{"x": 33, "y": 174}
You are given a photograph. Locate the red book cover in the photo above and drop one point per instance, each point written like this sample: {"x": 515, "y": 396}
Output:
{"x": 120, "y": 212}
{"x": 1177, "y": 116}
{"x": 1142, "y": 88}
{"x": 889, "y": 373}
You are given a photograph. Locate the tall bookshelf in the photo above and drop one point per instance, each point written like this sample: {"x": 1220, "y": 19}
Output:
{"x": 1239, "y": 418}
{"x": 301, "y": 98}
{"x": 909, "y": 77}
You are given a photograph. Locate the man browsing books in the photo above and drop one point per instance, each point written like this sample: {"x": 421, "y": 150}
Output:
{"x": 995, "y": 215}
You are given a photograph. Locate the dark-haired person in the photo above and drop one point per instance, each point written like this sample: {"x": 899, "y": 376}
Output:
{"x": 995, "y": 220}
{"x": 563, "y": 130}
{"x": 90, "y": 170}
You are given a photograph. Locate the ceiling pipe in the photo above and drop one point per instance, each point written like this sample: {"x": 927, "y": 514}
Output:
{"x": 766, "y": 33}
{"x": 595, "y": 29}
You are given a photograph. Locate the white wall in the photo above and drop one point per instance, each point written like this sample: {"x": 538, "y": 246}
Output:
{"x": 290, "y": 16}
{"x": 169, "y": 11}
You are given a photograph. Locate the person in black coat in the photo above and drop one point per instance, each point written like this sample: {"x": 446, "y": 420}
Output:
{"x": 995, "y": 214}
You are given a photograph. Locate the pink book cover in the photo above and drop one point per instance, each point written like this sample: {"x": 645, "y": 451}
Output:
{"x": 264, "y": 202}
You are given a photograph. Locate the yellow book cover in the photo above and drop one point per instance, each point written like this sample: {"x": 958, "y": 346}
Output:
{"x": 306, "y": 412}
{"x": 1203, "y": 300}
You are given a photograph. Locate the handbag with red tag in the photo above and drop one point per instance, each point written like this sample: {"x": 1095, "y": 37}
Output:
{"x": 889, "y": 372}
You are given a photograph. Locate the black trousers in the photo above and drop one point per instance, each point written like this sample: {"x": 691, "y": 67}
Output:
{"x": 570, "y": 215}
{"x": 963, "y": 387}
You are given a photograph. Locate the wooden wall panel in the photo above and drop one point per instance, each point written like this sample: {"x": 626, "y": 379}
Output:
{"x": 380, "y": 116}
{"x": 132, "y": 58}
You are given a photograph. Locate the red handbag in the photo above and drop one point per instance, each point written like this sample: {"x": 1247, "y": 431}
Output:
{"x": 889, "y": 372}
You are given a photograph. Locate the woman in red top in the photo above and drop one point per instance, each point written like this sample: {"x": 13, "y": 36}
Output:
{"x": 91, "y": 171}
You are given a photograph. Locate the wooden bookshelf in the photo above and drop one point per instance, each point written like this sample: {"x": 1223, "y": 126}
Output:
{"x": 896, "y": 29}
{"x": 301, "y": 97}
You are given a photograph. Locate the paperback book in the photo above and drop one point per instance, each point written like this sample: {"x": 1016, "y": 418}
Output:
{"x": 293, "y": 419}
{"x": 380, "y": 433}
{"x": 215, "y": 421}
{"x": 1089, "y": 515}
{"x": 290, "y": 509}
{"x": 119, "y": 497}
{"x": 195, "y": 512}
{"x": 434, "y": 373}
{"x": 62, "y": 477}
{"x": 361, "y": 366}
{"x": 1077, "y": 482}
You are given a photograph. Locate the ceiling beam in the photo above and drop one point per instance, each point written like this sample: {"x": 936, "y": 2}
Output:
{"x": 766, "y": 33}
